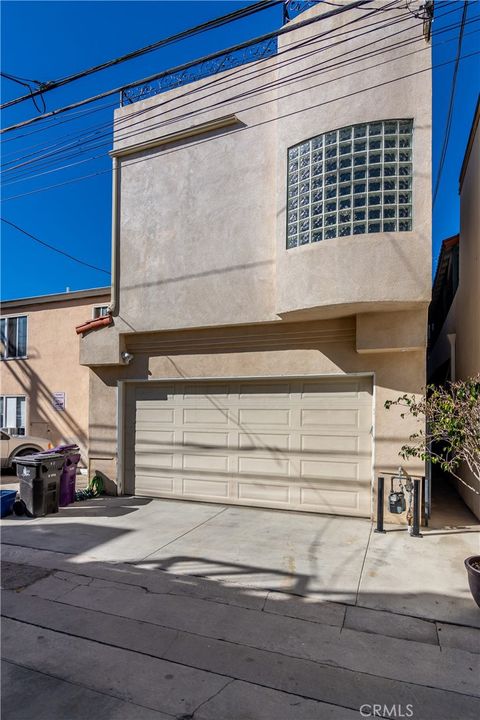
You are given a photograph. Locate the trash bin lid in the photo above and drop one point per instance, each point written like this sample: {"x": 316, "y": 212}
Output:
{"x": 65, "y": 448}
{"x": 38, "y": 458}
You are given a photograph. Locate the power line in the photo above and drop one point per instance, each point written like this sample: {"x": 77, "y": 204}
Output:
{"x": 448, "y": 125}
{"x": 92, "y": 134}
{"x": 210, "y": 24}
{"x": 51, "y": 247}
{"x": 249, "y": 127}
{"x": 245, "y": 71}
{"x": 345, "y": 60}
{"x": 28, "y": 84}
{"x": 192, "y": 63}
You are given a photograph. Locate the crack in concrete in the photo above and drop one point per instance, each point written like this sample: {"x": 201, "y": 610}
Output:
{"x": 229, "y": 682}
{"x": 187, "y": 532}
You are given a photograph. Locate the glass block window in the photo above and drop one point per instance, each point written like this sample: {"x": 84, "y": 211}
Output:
{"x": 350, "y": 181}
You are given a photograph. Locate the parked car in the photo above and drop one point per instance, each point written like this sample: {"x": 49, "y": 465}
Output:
{"x": 12, "y": 448}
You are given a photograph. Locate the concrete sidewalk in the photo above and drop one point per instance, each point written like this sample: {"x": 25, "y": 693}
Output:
{"x": 131, "y": 608}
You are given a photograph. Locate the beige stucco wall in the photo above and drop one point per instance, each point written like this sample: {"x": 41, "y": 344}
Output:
{"x": 202, "y": 219}
{"x": 301, "y": 349}
{"x": 468, "y": 293}
{"x": 52, "y": 366}
{"x": 380, "y": 268}
{"x": 201, "y": 236}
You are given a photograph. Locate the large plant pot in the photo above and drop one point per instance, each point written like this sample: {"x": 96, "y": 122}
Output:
{"x": 473, "y": 571}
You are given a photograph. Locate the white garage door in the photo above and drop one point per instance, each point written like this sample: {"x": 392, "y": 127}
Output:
{"x": 298, "y": 444}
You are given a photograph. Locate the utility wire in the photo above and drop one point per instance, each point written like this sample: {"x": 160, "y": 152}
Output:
{"x": 70, "y": 153}
{"x": 92, "y": 133}
{"x": 210, "y": 24}
{"x": 448, "y": 125}
{"x": 27, "y": 84}
{"x": 245, "y": 71}
{"x": 243, "y": 129}
{"x": 51, "y": 247}
{"x": 185, "y": 66}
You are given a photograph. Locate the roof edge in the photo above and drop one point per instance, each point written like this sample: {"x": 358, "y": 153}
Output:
{"x": 57, "y": 297}
{"x": 468, "y": 150}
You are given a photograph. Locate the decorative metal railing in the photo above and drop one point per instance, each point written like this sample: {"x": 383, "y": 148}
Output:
{"x": 257, "y": 51}
{"x": 227, "y": 61}
{"x": 292, "y": 8}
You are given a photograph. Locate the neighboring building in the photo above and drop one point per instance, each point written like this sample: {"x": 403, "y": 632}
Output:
{"x": 272, "y": 272}
{"x": 44, "y": 389}
{"x": 455, "y": 312}
{"x": 442, "y": 313}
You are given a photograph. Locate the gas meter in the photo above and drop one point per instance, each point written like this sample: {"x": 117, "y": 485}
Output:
{"x": 396, "y": 500}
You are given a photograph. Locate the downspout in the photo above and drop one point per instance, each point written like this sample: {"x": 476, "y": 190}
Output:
{"x": 452, "y": 339}
{"x": 113, "y": 307}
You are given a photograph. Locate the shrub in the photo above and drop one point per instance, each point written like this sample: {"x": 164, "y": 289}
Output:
{"x": 450, "y": 417}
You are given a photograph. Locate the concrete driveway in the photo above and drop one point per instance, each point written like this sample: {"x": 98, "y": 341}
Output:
{"x": 136, "y": 608}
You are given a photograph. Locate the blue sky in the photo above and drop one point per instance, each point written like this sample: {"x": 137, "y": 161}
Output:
{"x": 47, "y": 40}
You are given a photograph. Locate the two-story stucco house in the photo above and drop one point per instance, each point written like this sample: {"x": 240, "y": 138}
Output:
{"x": 44, "y": 389}
{"x": 271, "y": 265}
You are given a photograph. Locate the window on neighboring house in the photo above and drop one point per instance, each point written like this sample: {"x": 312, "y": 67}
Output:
{"x": 350, "y": 181}
{"x": 12, "y": 414}
{"x": 13, "y": 331}
{"x": 100, "y": 311}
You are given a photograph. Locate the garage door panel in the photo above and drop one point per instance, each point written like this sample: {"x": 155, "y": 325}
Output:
{"x": 205, "y": 415}
{"x": 303, "y": 444}
{"x": 195, "y": 391}
{"x": 154, "y": 459}
{"x": 325, "y": 469}
{"x": 199, "y": 487}
{"x": 265, "y": 390}
{"x": 327, "y": 416}
{"x": 155, "y": 485}
{"x": 329, "y": 501}
{"x": 206, "y": 461}
{"x": 343, "y": 444}
{"x": 151, "y": 416}
{"x": 264, "y": 492}
{"x": 259, "y": 416}
{"x": 264, "y": 441}
{"x": 263, "y": 466}
{"x": 199, "y": 439}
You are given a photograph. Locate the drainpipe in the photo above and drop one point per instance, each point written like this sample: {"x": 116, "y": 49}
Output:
{"x": 113, "y": 307}
{"x": 452, "y": 337}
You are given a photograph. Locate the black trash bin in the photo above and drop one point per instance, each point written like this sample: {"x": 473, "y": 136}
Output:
{"x": 40, "y": 482}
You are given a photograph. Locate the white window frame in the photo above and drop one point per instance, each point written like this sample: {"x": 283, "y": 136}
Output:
{"x": 8, "y": 318}
{"x": 6, "y": 397}
{"x": 96, "y": 314}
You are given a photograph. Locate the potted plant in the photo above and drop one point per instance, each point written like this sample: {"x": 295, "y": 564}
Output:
{"x": 473, "y": 571}
{"x": 449, "y": 437}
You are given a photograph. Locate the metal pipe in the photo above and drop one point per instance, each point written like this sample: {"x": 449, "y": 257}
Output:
{"x": 380, "y": 501}
{"x": 113, "y": 307}
{"x": 426, "y": 499}
{"x": 415, "y": 532}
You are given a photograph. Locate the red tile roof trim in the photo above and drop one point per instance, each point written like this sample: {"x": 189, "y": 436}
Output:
{"x": 94, "y": 324}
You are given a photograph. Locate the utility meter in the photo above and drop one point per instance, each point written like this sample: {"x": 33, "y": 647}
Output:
{"x": 396, "y": 499}
{"x": 396, "y": 502}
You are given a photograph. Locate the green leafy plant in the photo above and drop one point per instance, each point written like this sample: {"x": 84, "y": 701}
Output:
{"x": 450, "y": 426}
